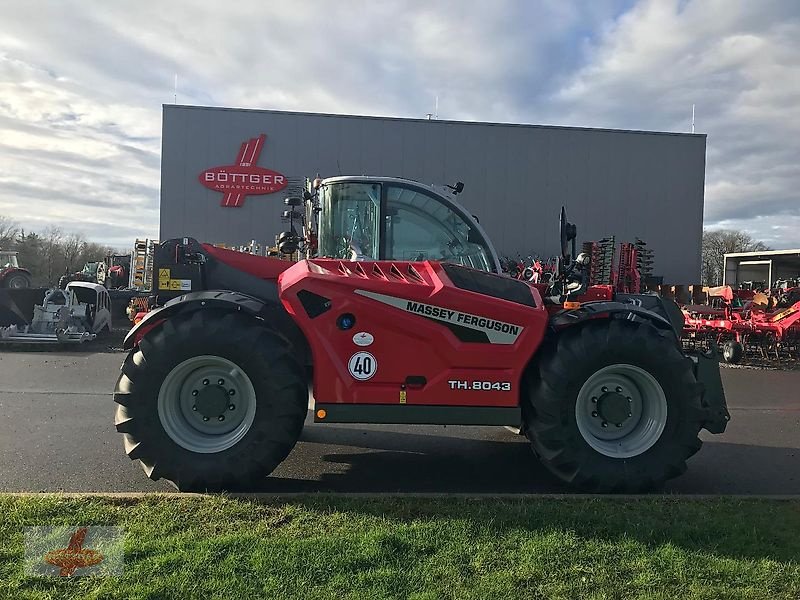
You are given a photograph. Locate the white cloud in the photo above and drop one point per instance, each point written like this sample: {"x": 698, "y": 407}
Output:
{"x": 81, "y": 90}
{"x": 738, "y": 62}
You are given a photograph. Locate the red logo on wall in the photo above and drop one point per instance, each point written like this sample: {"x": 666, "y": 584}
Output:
{"x": 244, "y": 178}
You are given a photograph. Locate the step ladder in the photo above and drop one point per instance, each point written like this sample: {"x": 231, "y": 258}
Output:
{"x": 141, "y": 277}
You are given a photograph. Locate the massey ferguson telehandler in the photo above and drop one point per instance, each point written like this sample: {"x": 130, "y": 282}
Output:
{"x": 404, "y": 321}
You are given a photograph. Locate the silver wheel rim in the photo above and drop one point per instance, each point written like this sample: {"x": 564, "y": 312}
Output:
{"x": 206, "y": 404}
{"x": 621, "y": 411}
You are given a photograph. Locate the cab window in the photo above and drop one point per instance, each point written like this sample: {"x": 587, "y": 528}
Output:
{"x": 420, "y": 226}
{"x": 349, "y": 223}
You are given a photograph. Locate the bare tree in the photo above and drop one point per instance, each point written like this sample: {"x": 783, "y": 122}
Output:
{"x": 718, "y": 243}
{"x": 72, "y": 248}
{"x": 53, "y": 260}
{"x": 8, "y": 232}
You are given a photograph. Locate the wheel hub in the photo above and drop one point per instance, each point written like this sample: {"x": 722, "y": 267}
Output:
{"x": 206, "y": 404}
{"x": 212, "y": 401}
{"x": 613, "y": 407}
{"x": 621, "y": 410}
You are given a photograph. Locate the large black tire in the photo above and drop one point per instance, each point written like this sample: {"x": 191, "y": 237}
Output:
{"x": 553, "y": 387}
{"x": 18, "y": 281}
{"x": 265, "y": 357}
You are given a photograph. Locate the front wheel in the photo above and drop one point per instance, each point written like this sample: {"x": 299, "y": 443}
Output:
{"x": 613, "y": 406}
{"x": 211, "y": 401}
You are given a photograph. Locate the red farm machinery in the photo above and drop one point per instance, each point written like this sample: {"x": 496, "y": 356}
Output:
{"x": 758, "y": 327}
{"x": 402, "y": 317}
{"x": 11, "y": 274}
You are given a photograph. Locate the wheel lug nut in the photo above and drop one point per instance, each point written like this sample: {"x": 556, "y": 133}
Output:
{"x": 594, "y": 413}
{"x": 619, "y": 389}
{"x": 619, "y": 424}
{"x": 205, "y": 418}
{"x": 630, "y": 399}
{"x": 604, "y": 389}
{"x": 231, "y": 392}
{"x": 205, "y": 381}
{"x": 221, "y": 418}
{"x": 194, "y": 407}
{"x": 221, "y": 382}
{"x": 194, "y": 392}
{"x": 594, "y": 399}
{"x": 231, "y": 407}
{"x": 604, "y": 424}
{"x": 630, "y": 414}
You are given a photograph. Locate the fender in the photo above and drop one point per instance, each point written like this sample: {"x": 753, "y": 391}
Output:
{"x": 594, "y": 310}
{"x": 264, "y": 310}
{"x": 9, "y": 271}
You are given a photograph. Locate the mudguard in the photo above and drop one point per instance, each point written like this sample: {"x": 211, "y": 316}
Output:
{"x": 706, "y": 371}
{"x": 594, "y": 310}
{"x": 272, "y": 312}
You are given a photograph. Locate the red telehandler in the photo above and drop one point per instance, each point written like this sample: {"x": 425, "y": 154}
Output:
{"x": 406, "y": 325}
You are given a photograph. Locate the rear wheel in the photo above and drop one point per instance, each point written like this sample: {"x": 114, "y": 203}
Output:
{"x": 613, "y": 406}
{"x": 211, "y": 401}
{"x": 17, "y": 281}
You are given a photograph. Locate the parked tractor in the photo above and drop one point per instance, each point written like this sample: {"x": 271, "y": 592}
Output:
{"x": 11, "y": 274}
{"x": 404, "y": 319}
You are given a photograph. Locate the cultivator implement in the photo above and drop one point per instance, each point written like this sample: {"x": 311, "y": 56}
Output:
{"x": 752, "y": 332}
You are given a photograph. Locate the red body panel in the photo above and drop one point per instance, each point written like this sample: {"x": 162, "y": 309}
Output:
{"x": 263, "y": 267}
{"x": 384, "y": 296}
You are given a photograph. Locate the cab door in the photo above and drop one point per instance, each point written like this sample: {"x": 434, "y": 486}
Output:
{"x": 419, "y": 225}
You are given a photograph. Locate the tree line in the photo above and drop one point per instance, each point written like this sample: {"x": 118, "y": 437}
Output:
{"x": 718, "y": 243}
{"x": 51, "y": 253}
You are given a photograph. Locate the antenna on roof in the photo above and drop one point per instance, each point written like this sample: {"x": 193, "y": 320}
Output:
{"x": 435, "y": 114}
{"x": 692, "y": 118}
{"x": 175, "y": 97}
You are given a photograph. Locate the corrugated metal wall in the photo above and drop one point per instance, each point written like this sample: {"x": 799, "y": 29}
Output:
{"x": 516, "y": 177}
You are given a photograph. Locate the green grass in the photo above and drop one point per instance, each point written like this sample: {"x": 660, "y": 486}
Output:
{"x": 328, "y": 547}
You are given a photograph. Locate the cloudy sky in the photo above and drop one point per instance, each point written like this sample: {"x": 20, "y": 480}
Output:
{"x": 82, "y": 83}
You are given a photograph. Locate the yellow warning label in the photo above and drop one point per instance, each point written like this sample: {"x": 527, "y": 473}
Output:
{"x": 174, "y": 284}
{"x": 163, "y": 284}
{"x": 402, "y": 396}
{"x": 163, "y": 274}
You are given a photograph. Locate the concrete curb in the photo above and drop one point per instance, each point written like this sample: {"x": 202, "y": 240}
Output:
{"x": 401, "y": 495}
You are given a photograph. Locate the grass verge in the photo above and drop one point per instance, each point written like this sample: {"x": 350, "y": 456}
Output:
{"x": 328, "y": 547}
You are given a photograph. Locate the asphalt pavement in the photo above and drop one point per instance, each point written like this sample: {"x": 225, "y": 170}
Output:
{"x": 57, "y": 434}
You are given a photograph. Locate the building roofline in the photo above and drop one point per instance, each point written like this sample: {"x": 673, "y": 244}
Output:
{"x": 756, "y": 253}
{"x": 416, "y": 120}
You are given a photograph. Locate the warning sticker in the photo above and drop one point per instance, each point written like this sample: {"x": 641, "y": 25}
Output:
{"x": 175, "y": 285}
{"x": 163, "y": 274}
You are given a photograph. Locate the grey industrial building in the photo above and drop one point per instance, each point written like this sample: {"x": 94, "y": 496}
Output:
{"x": 623, "y": 183}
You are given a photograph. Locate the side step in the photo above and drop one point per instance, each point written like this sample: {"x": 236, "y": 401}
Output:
{"x": 409, "y": 414}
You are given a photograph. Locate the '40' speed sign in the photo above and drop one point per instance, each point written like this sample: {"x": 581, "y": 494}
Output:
{"x": 362, "y": 366}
